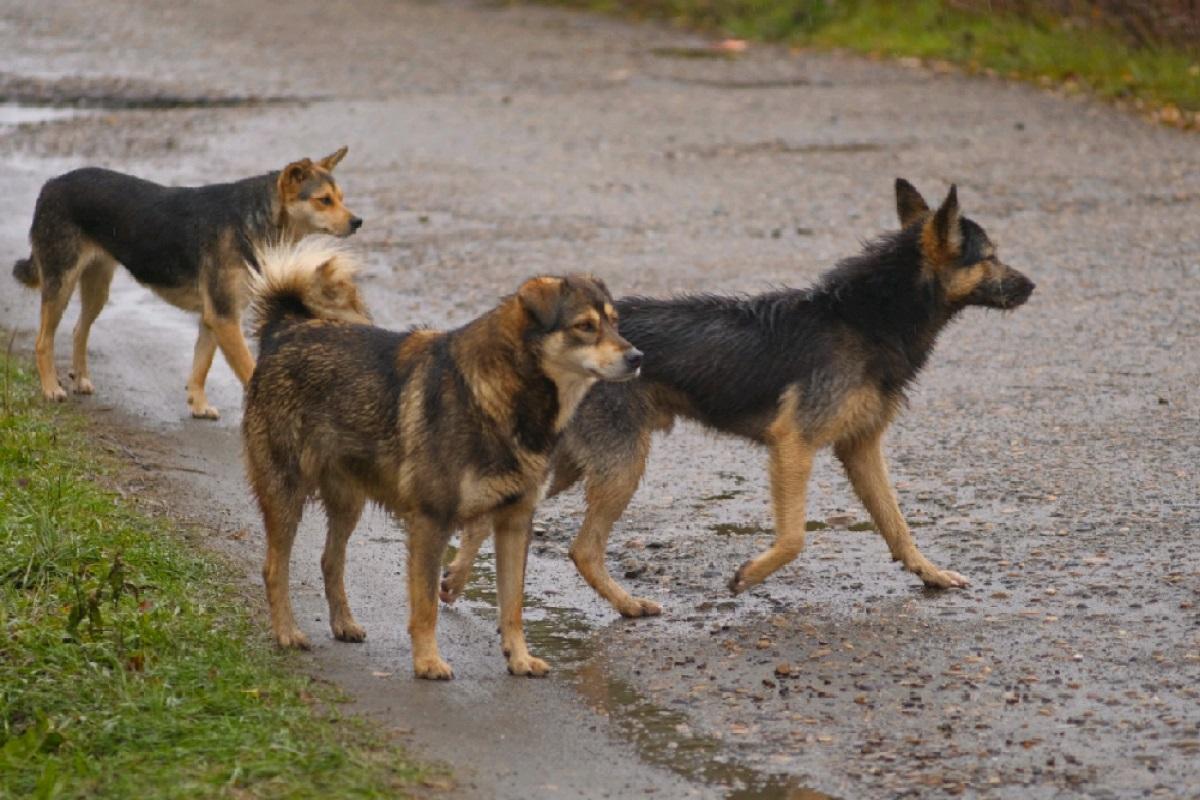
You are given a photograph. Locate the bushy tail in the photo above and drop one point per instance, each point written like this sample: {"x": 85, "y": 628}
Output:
{"x": 26, "y": 272}
{"x": 310, "y": 280}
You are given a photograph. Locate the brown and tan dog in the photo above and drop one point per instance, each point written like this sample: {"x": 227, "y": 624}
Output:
{"x": 441, "y": 429}
{"x": 192, "y": 246}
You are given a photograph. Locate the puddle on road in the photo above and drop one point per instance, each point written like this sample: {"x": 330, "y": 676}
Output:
{"x": 739, "y": 529}
{"x": 661, "y": 737}
{"x": 16, "y": 114}
{"x": 705, "y": 52}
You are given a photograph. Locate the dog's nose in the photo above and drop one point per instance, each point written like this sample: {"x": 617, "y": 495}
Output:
{"x": 355, "y": 223}
{"x": 633, "y": 359}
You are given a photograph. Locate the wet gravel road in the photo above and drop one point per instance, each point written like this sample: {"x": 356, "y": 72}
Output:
{"x": 1050, "y": 454}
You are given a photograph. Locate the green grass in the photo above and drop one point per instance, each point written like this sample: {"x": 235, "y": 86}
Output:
{"x": 1040, "y": 48}
{"x": 129, "y": 664}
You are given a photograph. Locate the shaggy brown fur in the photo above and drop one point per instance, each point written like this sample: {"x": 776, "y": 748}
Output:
{"x": 441, "y": 429}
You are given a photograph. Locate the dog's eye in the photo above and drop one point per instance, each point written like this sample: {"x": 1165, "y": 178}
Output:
{"x": 587, "y": 326}
{"x": 326, "y": 201}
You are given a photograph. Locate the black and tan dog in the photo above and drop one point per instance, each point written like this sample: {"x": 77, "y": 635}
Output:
{"x": 795, "y": 370}
{"x": 440, "y": 429}
{"x": 193, "y": 246}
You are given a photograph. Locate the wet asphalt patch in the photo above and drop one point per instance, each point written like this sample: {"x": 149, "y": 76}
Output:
{"x": 120, "y": 94}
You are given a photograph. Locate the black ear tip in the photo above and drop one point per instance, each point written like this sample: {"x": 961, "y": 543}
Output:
{"x": 902, "y": 185}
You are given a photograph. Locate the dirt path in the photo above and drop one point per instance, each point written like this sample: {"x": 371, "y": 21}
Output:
{"x": 1050, "y": 454}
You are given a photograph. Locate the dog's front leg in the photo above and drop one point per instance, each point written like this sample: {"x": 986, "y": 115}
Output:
{"x": 426, "y": 543}
{"x": 513, "y": 527}
{"x": 790, "y": 468}
{"x": 867, "y": 470}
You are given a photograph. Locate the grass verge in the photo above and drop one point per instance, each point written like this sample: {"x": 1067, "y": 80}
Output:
{"x": 1043, "y": 48}
{"x": 129, "y": 666}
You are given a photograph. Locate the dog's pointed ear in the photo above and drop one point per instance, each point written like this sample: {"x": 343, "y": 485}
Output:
{"x": 293, "y": 176}
{"x": 946, "y": 229}
{"x": 542, "y": 299}
{"x": 333, "y": 159}
{"x": 909, "y": 203}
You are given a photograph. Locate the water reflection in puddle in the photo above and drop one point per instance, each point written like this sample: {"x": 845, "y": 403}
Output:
{"x": 17, "y": 114}
{"x": 661, "y": 737}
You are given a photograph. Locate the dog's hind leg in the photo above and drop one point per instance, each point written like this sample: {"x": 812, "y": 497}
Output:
{"x": 59, "y": 264}
{"x": 233, "y": 344}
{"x": 609, "y": 490}
{"x": 343, "y": 507}
{"x": 513, "y": 528}
{"x": 454, "y": 577}
{"x": 202, "y": 358}
{"x": 867, "y": 470}
{"x": 93, "y": 294}
{"x": 281, "y": 516}
{"x": 790, "y": 467}
{"x": 426, "y": 542}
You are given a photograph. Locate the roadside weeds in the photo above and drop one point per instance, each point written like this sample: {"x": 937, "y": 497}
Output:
{"x": 1161, "y": 83}
{"x": 129, "y": 663}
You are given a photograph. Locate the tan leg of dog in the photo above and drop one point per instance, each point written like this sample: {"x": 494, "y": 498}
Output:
{"x": 232, "y": 342}
{"x": 202, "y": 358}
{"x": 343, "y": 513}
{"x": 867, "y": 470}
{"x": 54, "y": 303}
{"x": 93, "y": 294}
{"x": 513, "y": 529}
{"x": 426, "y": 543}
{"x": 281, "y": 517}
{"x": 607, "y": 497}
{"x": 791, "y": 465}
{"x": 454, "y": 578}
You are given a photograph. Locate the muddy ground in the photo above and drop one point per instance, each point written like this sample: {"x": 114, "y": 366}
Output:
{"x": 1050, "y": 454}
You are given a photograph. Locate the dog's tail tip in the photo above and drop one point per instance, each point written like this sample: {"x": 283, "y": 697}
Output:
{"x": 25, "y": 271}
{"x": 313, "y": 279}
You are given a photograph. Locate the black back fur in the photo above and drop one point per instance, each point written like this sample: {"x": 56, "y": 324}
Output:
{"x": 159, "y": 232}
{"x": 872, "y": 319}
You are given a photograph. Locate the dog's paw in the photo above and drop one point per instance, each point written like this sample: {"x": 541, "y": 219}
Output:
{"x": 936, "y": 578}
{"x": 639, "y": 607}
{"x": 56, "y": 395}
{"x": 451, "y": 587}
{"x": 740, "y": 581}
{"x": 349, "y": 632}
{"x": 204, "y": 411}
{"x": 293, "y": 639}
{"x": 84, "y": 386}
{"x": 528, "y": 666}
{"x": 432, "y": 669}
